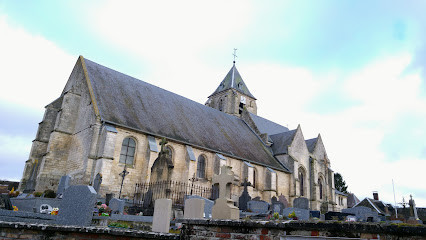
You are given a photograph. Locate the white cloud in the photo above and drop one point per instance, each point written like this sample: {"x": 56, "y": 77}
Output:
{"x": 34, "y": 72}
{"x": 34, "y": 69}
{"x": 353, "y": 136}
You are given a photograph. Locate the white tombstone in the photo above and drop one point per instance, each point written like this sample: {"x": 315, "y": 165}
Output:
{"x": 162, "y": 213}
{"x": 194, "y": 208}
{"x": 224, "y": 207}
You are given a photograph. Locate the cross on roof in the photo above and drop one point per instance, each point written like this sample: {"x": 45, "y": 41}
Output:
{"x": 163, "y": 144}
{"x": 235, "y": 54}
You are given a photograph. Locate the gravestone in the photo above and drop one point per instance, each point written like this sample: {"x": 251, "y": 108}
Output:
{"x": 178, "y": 214}
{"x": 208, "y": 205}
{"x": 117, "y": 206}
{"x": 97, "y": 182}
{"x": 315, "y": 214}
{"x": 338, "y": 216}
{"x": 245, "y": 197}
{"x": 64, "y": 183}
{"x": 108, "y": 198}
{"x": 22, "y": 195}
{"x": 5, "y": 202}
{"x": 363, "y": 213}
{"x": 194, "y": 208}
{"x": 258, "y": 206}
{"x": 283, "y": 200}
{"x": 77, "y": 205}
{"x": 162, "y": 213}
{"x": 148, "y": 205}
{"x": 301, "y": 214}
{"x": 301, "y": 202}
{"x": 276, "y": 206}
{"x": 45, "y": 208}
{"x": 224, "y": 207}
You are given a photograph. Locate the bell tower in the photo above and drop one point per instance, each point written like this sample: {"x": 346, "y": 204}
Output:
{"x": 232, "y": 95}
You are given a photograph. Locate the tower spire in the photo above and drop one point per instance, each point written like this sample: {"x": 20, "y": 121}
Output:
{"x": 235, "y": 54}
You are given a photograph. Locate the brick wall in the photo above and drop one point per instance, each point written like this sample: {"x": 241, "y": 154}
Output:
{"x": 225, "y": 229}
{"x": 10, "y": 230}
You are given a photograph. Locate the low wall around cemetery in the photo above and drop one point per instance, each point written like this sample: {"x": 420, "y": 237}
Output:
{"x": 16, "y": 230}
{"x": 227, "y": 229}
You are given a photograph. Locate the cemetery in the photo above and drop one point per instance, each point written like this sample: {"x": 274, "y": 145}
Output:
{"x": 78, "y": 212}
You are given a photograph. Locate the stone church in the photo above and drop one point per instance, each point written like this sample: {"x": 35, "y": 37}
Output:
{"x": 104, "y": 121}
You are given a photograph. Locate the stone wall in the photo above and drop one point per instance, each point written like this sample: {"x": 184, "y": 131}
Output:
{"x": 10, "y": 230}
{"x": 226, "y": 229}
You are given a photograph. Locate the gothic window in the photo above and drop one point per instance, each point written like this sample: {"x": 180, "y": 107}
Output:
{"x": 271, "y": 179}
{"x": 221, "y": 105}
{"x": 320, "y": 188}
{"x": 302, "y": 182}
{"x": 127, "y": 154}
{"x": 201, "y": 167}
{"x": 254, "y": 178}
{"x": 249, "y": 173}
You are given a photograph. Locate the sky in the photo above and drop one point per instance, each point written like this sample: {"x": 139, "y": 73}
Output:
{"x": 353, "y": 71}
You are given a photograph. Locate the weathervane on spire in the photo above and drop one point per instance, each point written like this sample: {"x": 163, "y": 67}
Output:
{"x": 235, "y": 54}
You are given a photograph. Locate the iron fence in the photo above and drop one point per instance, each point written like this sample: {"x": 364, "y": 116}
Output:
{"x": 147, "y": 193}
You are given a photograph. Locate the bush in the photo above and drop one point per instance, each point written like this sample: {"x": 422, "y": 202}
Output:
{"x": 37, "y": 194}
{"x": 49, "y": 194}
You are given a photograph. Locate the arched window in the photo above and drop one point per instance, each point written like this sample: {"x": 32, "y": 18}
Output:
{"x": 201, "y": 167}
{"x": 221, "y": 105}
{"x": 302, "y": 182}
{"x": 320, "y": 188}
{"x": 127, "y": 154}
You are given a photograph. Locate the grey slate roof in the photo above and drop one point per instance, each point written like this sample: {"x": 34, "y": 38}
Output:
{"x": 126, "y": 101}
{"x": 282, "y": 141}
{"x": 233, "y": 80}
{"x": 267, "y": 126}
{"x": 310, "y": 143}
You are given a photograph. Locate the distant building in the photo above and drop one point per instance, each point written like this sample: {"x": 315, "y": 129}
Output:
{"x": 341, "y": 201}
{"x": 383, "y": 209}
{"x": 104, "y": 120}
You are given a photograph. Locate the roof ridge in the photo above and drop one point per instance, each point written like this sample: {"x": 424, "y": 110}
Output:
{"x": 89, "y": 86}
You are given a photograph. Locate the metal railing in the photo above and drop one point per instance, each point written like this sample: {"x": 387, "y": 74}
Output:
{"x": 147, "y": 193}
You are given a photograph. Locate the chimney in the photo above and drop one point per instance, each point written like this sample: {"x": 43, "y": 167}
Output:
{"x": 376, "y": 195}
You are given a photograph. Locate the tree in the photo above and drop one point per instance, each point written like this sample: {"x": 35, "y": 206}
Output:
{"x": 339, "y": 183}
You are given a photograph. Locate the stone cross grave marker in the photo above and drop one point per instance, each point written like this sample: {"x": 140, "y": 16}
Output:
{"x": 97, "y": 183}
{"x": 162, "y": 213}
{"x": 245, "y": 197}
{"x": 77, "y": 206}
{"x": 194, "y": 208}
{"x": 224, "y": 207}
{"x": 301, "y": 202}
{"x": 64, "y": 183}
{"x": 116, "y": 205}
